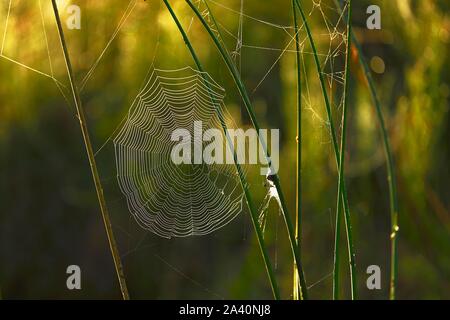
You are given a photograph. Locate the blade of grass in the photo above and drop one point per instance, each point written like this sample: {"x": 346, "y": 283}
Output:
{"x": 391, "y": 179}
{"x": 341, "y": 167}
{"x": 91, "y": 158}
{"x": 298, "y": 190}
{"x": 344, "y": 200}
{"x": 248, "y": 106}
{"x": 253, "y": 212}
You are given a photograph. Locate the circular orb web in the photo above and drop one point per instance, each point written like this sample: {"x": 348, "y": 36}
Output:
{"x": 167, "y": 199}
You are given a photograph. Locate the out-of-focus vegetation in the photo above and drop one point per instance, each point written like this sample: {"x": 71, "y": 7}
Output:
{"x": 49, "y": 215}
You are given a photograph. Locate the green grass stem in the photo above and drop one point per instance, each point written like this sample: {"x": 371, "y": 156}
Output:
{"x": 298, "y": 181}
{"x": 391, "y": 177}
{"x": 344, "y": 200}
{"x": 341, "y": 168}
{"x": 87, "y": 142}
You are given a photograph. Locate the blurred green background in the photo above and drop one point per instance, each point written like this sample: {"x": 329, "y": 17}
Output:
{"x": 49, "y": 215}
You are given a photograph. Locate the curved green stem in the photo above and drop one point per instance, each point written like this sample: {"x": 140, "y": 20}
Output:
{"x": 341, "y": 170}
{"x": 87, "y": 142}
{"x": 391, "y": 179}
{"x": 344, "y": 200}
{"x": 253, "y": 212}
{"x": 243, "y": 92}
{"x": 298, "y": 184}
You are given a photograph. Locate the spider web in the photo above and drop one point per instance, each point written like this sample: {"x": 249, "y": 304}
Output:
{"x": 168, "y": 199}
{"x": 146, "y": 184}
{"x": 331, "y": 51}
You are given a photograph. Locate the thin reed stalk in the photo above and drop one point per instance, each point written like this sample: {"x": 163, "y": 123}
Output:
{"x": 336, "y": 284}
{"x": 243, "y": 92}
{"x": 91, "y": 158}
{"x": 253, "y": 212}
{"x": 391, "y": 178}
{"x": 344, "y": 200}
{"x": 298, "y": 180}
